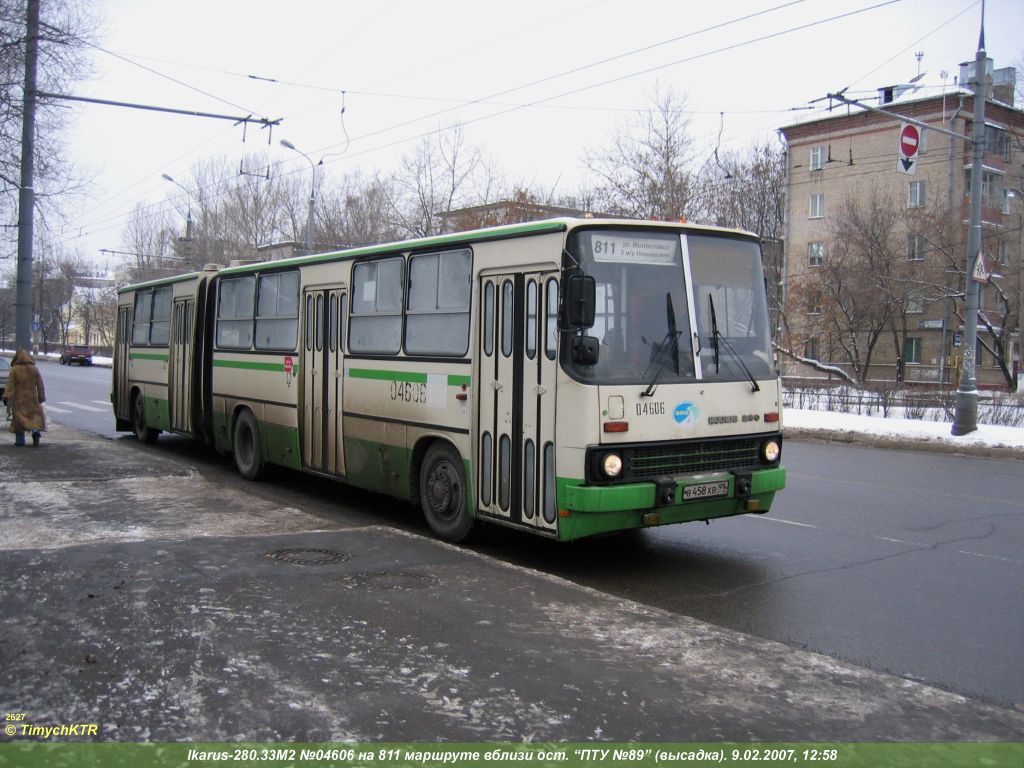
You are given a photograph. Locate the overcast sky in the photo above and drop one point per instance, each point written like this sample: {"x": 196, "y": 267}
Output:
{"x": 534, "y": 83}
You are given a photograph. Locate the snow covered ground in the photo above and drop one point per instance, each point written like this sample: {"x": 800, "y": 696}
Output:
{"x": 931, "y": 433}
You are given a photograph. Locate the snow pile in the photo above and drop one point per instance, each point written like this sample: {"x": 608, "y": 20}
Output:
{"x": 847, "y": 425}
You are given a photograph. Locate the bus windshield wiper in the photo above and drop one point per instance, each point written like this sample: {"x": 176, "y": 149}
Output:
{"x": 658, "y": 351}
{"x": 716, "y": 336}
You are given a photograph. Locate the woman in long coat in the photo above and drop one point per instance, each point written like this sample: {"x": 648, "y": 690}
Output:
{"x": 26, "y": 394}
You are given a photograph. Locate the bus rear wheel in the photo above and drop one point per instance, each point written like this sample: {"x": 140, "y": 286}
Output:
{"x": 143, "y": 433}
{"x": 248, "y": 458}
{"x": 443, "y": 494}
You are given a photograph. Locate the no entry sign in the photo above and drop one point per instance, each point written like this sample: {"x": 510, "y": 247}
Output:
{"x": 910, "y": 143}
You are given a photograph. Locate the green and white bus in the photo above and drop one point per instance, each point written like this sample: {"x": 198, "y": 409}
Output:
{"x": 567, "y": 377}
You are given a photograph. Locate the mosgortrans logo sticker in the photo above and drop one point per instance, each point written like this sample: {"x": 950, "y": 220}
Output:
{"x": 686, "y": 413}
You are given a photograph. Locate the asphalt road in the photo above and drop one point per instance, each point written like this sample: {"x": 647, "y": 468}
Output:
{"x": 901, "y": 562}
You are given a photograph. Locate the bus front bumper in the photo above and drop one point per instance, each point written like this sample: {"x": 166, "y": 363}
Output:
{"x": 585, "y": 510}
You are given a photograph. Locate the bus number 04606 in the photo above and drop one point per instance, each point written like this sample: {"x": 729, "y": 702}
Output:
{"x": 408, "y": 392}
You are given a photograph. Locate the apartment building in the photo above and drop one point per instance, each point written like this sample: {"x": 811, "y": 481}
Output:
{"x": 876, "y": 246}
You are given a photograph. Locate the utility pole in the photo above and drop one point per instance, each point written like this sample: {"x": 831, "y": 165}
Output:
{"x": 26, "y": 194}
{"x": 965, "y": 417}
{"x": 965, "y": 414}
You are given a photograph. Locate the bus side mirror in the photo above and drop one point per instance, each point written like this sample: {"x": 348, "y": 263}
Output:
{"x": 586, "y": 350}
{"x": 580, "y": 301}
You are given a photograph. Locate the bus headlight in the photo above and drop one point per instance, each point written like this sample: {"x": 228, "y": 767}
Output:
{"x": 770, "y": 451}
{"x": 611, "y": 465}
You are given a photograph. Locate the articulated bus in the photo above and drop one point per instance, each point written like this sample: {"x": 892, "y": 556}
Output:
{"x": 567, "y": 377}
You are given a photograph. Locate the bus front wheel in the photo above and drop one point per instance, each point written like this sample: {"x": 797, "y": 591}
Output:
{"x": 143, "y": 433}
{"x": 443, "y": 493}
{"x": 248, "y": 458}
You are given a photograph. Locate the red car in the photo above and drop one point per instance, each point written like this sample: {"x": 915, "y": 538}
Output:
{"x": 76, "y": 353}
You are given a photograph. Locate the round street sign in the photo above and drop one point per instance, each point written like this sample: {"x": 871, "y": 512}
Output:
{"x": 910, "y": 139}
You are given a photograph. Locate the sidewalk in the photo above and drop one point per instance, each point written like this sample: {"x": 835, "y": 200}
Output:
{"x": 138, "y": 595}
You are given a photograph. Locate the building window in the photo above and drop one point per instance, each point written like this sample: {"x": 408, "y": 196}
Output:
{"x": 915, "y": 302}
{"x": 1003, "y": 251}
{"x": 991, "y": 188}
{"x": 812, "y": 348}
{"x": 815, "y": 254}
{"x": 916, "y": 198}
{"x": 915, "y": 247}
{"x": 817, "y": 209}
{"x": 817, "y": 158}
{"x": 1006, "y": 201}
{"x": 912, "y": 349}
{"x": 814, "y": 302}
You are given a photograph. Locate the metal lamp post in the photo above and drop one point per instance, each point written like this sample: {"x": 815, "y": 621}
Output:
{"x": 312, "y": 194}
{"x": 188, "y": 218}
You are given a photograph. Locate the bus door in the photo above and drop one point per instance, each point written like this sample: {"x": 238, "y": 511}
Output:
{"x": 322, "y": 372}
{"x": 122, "y": 404}
{"x": 180, "y": 373}
{"x": 516, "y": 453}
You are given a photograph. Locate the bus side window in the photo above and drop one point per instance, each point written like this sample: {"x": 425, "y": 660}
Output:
{"x": 235, "y": 313}
{"x": 489, "y": 319}
{"x": 142, "y": 317}
{"x": 277, "y": 311}
{"x": 376, "y": 322}
{"x": 551, "y": 321}
{"x": 437, "y": 316}
{"x": 531, "y": 319}
{"x": 160, "y": 331}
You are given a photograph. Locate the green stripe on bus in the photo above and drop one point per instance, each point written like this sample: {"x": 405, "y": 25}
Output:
{"x": 369, "y": 373}
{"x": 409, "y": 376}
{"x": 250, "y": 365}
{"x": 148, "y": 356}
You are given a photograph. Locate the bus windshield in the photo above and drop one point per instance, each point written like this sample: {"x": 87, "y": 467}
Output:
{"x": 674, "y": 308}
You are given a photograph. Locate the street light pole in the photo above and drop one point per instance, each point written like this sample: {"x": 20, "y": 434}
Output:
{"x": 965, "y": 415}
{"x": 312, "y": 194}
{"x": 188, "y": 218}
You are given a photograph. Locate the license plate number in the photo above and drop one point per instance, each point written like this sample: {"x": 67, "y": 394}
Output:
{"x": 706, "y": 490}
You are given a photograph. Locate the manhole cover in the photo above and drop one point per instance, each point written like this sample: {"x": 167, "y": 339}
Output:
{"x": 402, "y": 580}
{"x": 301, "y": 556}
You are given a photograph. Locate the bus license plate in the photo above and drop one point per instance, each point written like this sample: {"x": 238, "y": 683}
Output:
{"x": 706, "y": 490}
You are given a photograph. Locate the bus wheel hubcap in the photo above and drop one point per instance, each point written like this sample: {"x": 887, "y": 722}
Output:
{"x": 440, "y": 490}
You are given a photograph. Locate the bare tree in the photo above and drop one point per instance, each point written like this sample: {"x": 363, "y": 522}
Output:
{"x": 646, "y": 170}
{"x": 66, "y": 28}
{"x": 747, "y": 190}
{"x": 148, "y": 238}
{"x": 356, "y": 212}
{"x": 859, "y": 292}
{"x": 437, "y": 177}
{"x": 942, "y": 279}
